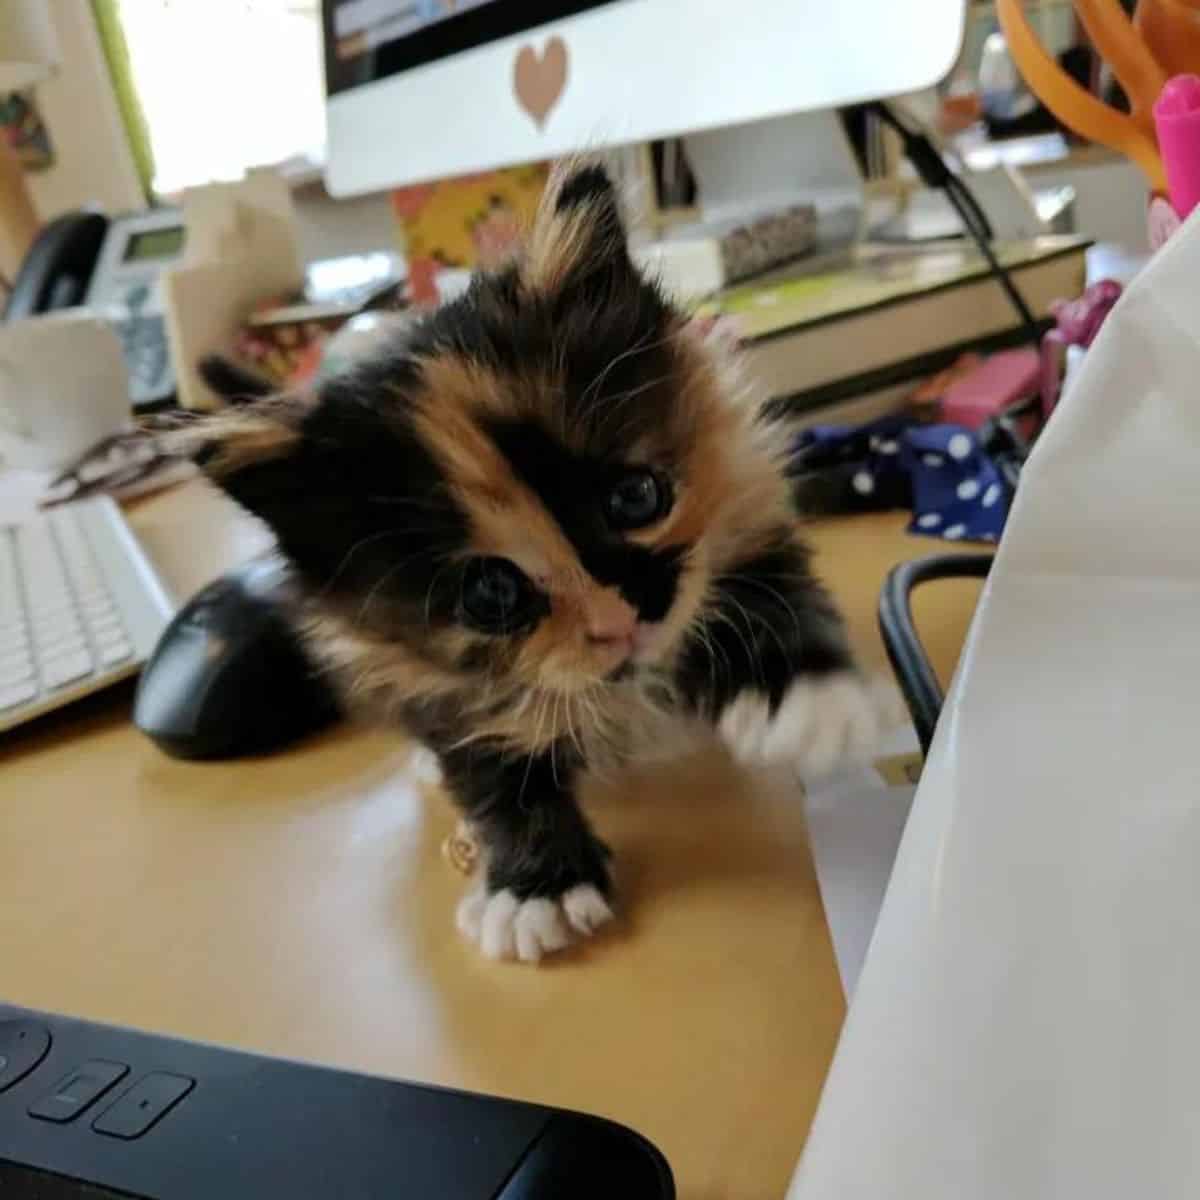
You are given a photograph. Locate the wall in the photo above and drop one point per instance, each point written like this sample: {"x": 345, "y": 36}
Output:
{"x": 1110, "y": 198}
{"x": 327, "y": 228}
{"x": 93, "y": 163}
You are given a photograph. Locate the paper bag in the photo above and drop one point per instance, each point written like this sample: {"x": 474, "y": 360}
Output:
{"x": 241, "y": 250}
{"x": 1028, "y": 1019}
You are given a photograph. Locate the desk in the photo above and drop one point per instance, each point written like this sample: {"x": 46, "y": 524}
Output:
{"x": 300, "y": 906}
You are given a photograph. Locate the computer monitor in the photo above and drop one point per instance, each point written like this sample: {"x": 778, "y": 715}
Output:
{"x": 428, "y": 89}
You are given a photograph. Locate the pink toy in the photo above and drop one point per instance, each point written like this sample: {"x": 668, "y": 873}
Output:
{"x": 1177, "y": 119}
{"x": 998, "y": 383}
{"x": 1076, "y": 324}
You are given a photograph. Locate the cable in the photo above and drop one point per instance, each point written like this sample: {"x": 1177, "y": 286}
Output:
{"x": 935, "y": 172}
{"x": 913, "y": 670}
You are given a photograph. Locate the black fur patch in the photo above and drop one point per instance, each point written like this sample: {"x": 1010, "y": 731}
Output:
{"x": 522, "y": 808}
{"x": 590, "y": 183}
{"x": 770, "y": 622}
{"x": 571, "y": 487}
{"x": 609, "y": 353}
{"x": 360, "y": 507}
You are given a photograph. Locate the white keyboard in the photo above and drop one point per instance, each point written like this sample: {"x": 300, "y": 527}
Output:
{"x": 80, "y": 607}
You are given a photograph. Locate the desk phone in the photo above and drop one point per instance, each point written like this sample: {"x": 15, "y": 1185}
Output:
{"x": 126, "y": 286}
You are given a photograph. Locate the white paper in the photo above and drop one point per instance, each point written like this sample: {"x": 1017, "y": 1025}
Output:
{"x": 854, "y": 821}
{"x": 1026, "y": 1021}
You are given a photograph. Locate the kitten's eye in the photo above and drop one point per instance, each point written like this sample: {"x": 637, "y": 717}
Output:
{"x": 636, "y": 500}
{"x": 495, "y": 594}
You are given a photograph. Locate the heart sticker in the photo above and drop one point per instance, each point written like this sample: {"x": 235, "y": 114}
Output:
{"x": 539, "y": 80}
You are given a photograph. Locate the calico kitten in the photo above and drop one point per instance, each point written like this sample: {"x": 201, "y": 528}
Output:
{"x": 547, "y": 514}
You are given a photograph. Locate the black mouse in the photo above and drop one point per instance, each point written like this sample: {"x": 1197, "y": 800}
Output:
{"x": 228, "y": 677}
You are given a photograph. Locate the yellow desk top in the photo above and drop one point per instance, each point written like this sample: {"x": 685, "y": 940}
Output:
{"x": 299, "y": 905}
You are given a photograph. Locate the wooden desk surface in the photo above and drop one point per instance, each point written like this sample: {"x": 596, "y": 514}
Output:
{"x": 299, "y": 905}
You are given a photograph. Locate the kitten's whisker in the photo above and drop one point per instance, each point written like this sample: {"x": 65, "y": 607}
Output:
{"x": 784, "y": 603}
{"x": 366, "y": 541}
{"x": 571, "y": 731}
{"x": 432, "y": 584}
{"x": 639, "y": 347}
{"x": 633, "y": 393}
{"x": 620, "y": 416}
{"x": 751, "y": 656}
{"x": 554, "y": 743}
{"x": 702, "y": 633}
{"x": 396, "y": 566}
{"x": 529, "y": 759}
{"x": 752, "y": 616}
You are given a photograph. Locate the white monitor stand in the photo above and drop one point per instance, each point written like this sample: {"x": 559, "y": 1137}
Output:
{"x": 804, "y": 158}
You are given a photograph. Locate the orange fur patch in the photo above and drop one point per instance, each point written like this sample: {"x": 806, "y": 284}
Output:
{"x": 238, "y": 436}
{"x": 562, "y": 245}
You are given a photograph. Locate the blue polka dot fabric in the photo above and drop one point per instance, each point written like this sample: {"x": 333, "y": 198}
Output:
{"x": 940, "y": 472}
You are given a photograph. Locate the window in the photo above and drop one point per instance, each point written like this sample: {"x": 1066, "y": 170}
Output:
{"x": 226, "y": 84}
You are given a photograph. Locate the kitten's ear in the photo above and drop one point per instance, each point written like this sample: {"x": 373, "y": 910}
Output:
{"x": 249, "y": 451}
{"x": 578, "y": 232}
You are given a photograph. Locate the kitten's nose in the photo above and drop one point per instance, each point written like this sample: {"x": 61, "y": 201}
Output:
{"x": 609, "y": 618}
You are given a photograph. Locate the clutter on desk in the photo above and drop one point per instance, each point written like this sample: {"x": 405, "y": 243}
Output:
{"x": 1177, "y": 120}
{"x": 889, "y": 313}
{"x": 993, "y": 387}
{"x": 1076, "y": 323}
{"x": 943, "y": 473}
{"x": 21, "y": 124}
{"x": 693, "y": 261}
{"x": 954, "y": 456}
{"x": 241, "y": 246}
{"x": 63, "y": 387}
{"x": 284, "y": 338}
{"x": 1153, "y": 58}
{"x": 1131, "y": 50}
{"x": 353, "y": 282}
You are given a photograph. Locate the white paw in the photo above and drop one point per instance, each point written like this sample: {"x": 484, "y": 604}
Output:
{"x": 820, "y": 724}
{"x": 504, "y": 927}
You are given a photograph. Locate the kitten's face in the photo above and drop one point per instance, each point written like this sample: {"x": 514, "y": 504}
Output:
{"x": 533, "y": 492}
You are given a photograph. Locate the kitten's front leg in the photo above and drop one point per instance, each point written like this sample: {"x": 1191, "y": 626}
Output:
{"x": 545, "y": 874}
{"x": 770, "y": 665}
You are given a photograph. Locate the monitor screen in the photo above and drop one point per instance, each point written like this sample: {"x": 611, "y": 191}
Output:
{"x": 366, "y": 40}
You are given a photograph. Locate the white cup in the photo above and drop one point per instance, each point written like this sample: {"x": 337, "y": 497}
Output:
{"x": 63, "y": 388}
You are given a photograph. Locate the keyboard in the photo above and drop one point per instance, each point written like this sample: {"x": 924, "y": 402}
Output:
{"x": 80, "y": 607}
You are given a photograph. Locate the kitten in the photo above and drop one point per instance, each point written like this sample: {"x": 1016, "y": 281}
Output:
{"x": 546, "y": 516}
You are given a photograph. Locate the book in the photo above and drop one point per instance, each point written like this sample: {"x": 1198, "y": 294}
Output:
{"x": 892, "y": 317}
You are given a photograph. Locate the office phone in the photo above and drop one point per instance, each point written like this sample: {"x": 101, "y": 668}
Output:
{"x": 115, "y": 266}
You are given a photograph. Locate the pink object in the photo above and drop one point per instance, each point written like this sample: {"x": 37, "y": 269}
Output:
{"x": 1076, "y": 324}
{"x": 1161, "y": 222}
{"x": 995, "y": 385}
{"x": 1177, "y": 119}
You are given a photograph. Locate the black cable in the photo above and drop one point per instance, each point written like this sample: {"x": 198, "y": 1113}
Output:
{"x": 935, "y": 172}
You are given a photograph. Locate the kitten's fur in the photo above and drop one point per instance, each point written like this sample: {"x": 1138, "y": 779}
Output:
{"x": 498, "y": 430}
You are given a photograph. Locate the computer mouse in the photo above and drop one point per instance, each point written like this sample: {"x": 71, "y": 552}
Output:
{"x": 228, "y": 676}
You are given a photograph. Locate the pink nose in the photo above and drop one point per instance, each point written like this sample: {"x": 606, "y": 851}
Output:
{"x": 608, "y": 618}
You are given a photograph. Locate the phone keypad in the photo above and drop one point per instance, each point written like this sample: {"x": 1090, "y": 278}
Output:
{"x": 144, "y": 342}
